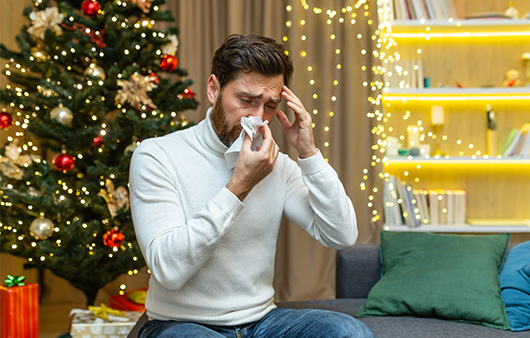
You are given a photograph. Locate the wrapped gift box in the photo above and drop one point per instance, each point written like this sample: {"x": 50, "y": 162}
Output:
{"x": 125, "y": 303}
{"x": 84, "y": 325}
{"x": 19, "y": 311}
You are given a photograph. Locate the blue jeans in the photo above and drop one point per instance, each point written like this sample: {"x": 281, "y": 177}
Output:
{"x": 307, "y": 323}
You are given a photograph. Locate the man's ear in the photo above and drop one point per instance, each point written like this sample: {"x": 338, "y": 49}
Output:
{"x": 213, "y": 88}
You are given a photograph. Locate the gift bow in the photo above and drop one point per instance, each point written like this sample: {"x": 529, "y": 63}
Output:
{"x": 104, "y": 311}
{"x": 11, "y": 281}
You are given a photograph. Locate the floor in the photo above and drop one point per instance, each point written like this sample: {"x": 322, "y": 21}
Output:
{"x": 54, "y": 320}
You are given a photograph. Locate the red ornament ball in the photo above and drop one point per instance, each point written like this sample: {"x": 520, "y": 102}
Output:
{"x": 168, "y": 62}
{"x": 187, "y": 94}
{"x": 113, "y": 238}
{"x": 98, "y": 140}
{"x": 91, "y": 7}
{"x": 64, "y": 162}
{"x": 5, "y": 120}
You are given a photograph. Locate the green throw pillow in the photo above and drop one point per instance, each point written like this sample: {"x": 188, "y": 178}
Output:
{"x": 453, "y": 277}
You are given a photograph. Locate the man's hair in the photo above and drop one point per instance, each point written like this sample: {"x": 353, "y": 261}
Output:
{"x": 250, "y": 53}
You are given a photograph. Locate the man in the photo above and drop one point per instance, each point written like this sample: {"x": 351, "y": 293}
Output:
{"x": 208, "y": 233}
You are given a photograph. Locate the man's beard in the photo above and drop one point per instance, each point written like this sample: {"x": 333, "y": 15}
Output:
{"x": 226, "y": 134}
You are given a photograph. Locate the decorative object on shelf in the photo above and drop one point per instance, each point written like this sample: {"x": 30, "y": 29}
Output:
{"x": 511, "y": 11}
{"x": 19, "y": 315}
{"x": 526, "y": 60}
{"x": 392, "y": 146}
{"x": 437, "y": 123}
{"x": 491, "y": 132}
{"x": 5, "y": 120}
{"x": 64, "y": 162}
{"x": 511, "y": 78}
{"x": 62, "y": 114}
{"x": 41, "y": 227}
{"x": 413, "y": 136}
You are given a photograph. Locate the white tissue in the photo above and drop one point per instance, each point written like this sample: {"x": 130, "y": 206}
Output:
{"x": 251, "y": 126}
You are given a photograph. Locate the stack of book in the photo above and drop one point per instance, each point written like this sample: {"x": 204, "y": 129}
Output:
{"x": 423, "y": 9}
{"x": 404, "y": 205}
{"x": 518, "y": 142}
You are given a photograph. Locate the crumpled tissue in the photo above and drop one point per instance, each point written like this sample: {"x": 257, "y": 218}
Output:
{"x": 251, "y": 126}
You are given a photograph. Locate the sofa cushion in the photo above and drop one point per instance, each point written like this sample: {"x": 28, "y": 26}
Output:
{"x": 515, "y": 286}
{"x": 445, "y": 276}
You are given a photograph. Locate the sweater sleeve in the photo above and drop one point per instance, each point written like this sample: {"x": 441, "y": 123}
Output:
{"x": 174, "y": 248}
{"x": 317, "y": 202}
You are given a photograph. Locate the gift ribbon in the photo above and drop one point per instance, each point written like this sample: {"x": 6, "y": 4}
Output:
{"x": 104, "y": 311}
{"x": 11, "y": 281}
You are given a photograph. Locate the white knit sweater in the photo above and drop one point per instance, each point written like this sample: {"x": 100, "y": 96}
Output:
{"x": 211, "y": 256}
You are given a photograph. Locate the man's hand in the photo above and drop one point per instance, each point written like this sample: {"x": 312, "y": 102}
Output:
{"x": 300, "y": 132}
{"x": 253, "y": 166}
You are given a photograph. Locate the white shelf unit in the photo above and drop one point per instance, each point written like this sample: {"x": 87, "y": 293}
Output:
{"x": 475, "y": 52}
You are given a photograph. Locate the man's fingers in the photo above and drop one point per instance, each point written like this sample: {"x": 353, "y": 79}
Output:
{"x": 284, "y": 120}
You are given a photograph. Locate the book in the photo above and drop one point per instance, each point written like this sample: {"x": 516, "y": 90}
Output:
{"x": 421, "y": 198}
{"x": 419, "y": 10}
{"x": 434, "y": 206}
{"x": 392, "y": 209}
{"x": 460, "y": 207}
{"x": 450, "y": 205}
{"x": 430, "y": 9}
{"x": 509, "y": 144}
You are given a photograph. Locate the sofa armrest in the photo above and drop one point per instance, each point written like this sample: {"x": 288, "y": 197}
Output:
{"x": 358, "y": 269}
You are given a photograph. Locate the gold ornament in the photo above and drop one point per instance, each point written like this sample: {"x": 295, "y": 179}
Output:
{"x": 38, "y": 54}
{"x": 62, "y": 114}
{"x": 41, "y": 228}
{"x": 95, "y": 71}
{"x": 146, "y": 23}
{"x": 135, "y": 91}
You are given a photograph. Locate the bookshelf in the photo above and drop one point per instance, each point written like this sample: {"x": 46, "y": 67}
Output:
{"x": 464, "y": 58}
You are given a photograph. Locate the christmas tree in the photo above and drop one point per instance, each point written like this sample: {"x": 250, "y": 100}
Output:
{"x": 90, "y": 81}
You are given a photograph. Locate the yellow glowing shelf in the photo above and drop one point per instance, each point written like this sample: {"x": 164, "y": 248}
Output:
{"x": 517, "y": 94}
{"x": 460, "y": 28}
{"x": 464, "y": 228}
{"x": 423, "y": 161}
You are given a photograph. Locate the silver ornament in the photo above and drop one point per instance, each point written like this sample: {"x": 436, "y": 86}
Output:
{"x": 62, "y": 114}
{"x": 95, "y": 71}
{"x": 41, "y": 228}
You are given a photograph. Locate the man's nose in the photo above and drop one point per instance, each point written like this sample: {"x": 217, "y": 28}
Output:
{"x": 258, "y": 111}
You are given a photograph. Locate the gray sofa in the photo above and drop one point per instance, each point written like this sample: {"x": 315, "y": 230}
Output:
{"x": 358, "y": 269}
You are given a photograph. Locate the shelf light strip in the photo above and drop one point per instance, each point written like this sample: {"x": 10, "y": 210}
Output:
{"x": 397, "y": 35}
{"x": 478, "y": 97}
